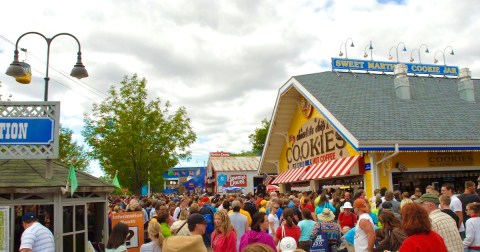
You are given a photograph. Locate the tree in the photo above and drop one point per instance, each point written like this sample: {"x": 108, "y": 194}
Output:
{"x": 258, "y": 138}
{"x": 72, "y": 153}
{"x": 135, "y": 137}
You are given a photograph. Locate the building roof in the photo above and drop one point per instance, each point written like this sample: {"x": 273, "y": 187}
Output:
{"x": 30, "y": 176}
{"x": 226, "y": 164}
{"x": 365, "y": 110}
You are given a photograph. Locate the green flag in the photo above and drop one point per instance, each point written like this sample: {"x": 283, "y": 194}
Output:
{"x": 72, "y": 180}
{"x": 116, "y": 182}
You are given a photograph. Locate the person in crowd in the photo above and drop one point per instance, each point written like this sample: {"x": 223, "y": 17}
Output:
{"x": 429, "y": 189}
{"x": 243, "y": 212}
{"x": 364, "y": 232}
{"x": 445, "y": 203}
{"x": 239, "y": 221}
{"x": 394, "y": 235}
{"x": 273, "y": 220}
{"x": 472, "y": 229}
{"x": 180, "y": 227}
{"x": 261, "y": 189}
{"x": 35, "y": 237}
{"x": 287, "y": 228}
{"x": 208, "y": 211}
{"x": 443, "y": 224}
{"x": 455, "y": 205}
{"x": 416, "y": 225}
{"x": 183, "y": 205}
{"x": 469, "y": 196}
{"x": 389, "y": 198}
{"x": 307, "y": 203}
{"x": 397, "y": 195}
{"x": 347, "y": 217}
{"x": 224, "y": 237}
{"x": 387, "y": 206}
{"x": 162, "y": 220}
{"x": 306, "y": 226}
{"x": 263, "y": 206}
{"x": 323, "y": 203}
{"x": 249, "y": 205}
{"x": 338, "y": 206}
{"x": 117, "y": 239}
{"x": 194, "y": 208}
{"x": 257, "y": 233}
{"x": 258, "y": 247}
{"x": 156, "y": 237}
{"x": 404, "y": 201}
{"x": 417, "y": 193}
{"x": 478, "y": 186}
{"x": 326, "y": 235}
{"x": 197, "y": 224}
{"x": 347, "y": 197}
{"x": 297, "y": 214}
{"x": 373, "y": 199}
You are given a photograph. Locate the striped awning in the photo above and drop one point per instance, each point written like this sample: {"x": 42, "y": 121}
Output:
{"x": 291, "y": 175}
{"x": 332, "y": 168}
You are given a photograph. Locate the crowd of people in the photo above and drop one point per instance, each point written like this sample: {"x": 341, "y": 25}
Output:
{"x": 331, "y": 220}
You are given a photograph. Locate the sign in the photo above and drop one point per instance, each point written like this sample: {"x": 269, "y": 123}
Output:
{"x": 220, "y": 154}
{"x": 368, "y": 166}
{"x": 238, "y": 180}
{"x": 316, "y": 141}
{"x": 26, "y": 130}
{"x": 450, "y": 159}
{"x": 4, "y": 228}
{"x": 222, "y": 180}
{"x": 307, "y": 108}
{"x": 382, "y": 66}
{"x": 134, "y": 220}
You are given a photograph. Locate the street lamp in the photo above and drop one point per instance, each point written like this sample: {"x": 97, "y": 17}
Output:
{"x": 16, "y": 69}
{"x": 435, "y": 61}
{"x": 370, "y": 47}
{"x": 390, "y": 57}
{"x": 418, "y": 50}
{"x": 345, "y": 44}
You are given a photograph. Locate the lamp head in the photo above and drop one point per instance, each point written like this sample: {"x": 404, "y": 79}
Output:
{"x": 340, "y": 54}
{"x": 411, "y": 59}
{"x": 451, "y": 53}
{"x": 435, "y": 61}
{"x": 371, "y": 47}
{"x": 352, "y": 45}
{"x": 365, "y": 55}
{"x": 79, "y": 70}
{"x": 427, "y": 51}
{"x": 15, "y": 69}
{"x": 404, "y": 49}
{"x": 390, "y": 57}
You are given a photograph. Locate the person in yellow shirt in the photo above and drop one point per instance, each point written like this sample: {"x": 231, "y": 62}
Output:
{"x": 243, "y": 212}
{"x": 263, "y": 206}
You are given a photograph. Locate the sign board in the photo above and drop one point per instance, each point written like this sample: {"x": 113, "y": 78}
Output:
{"x": 383, "y": 66}
{"x": 4, "y": 228}
{"x": 436, "y": 159}
{"x": 25, "y": 130}
{"x": 238, "y": 180}
{"x": 134, "y": 220}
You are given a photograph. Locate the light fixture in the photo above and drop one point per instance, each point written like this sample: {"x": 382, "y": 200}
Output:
{"x": 419, "y": 55}
{"x": 370, "y": 47}
{"x": 390, "y": 57}
{"x": 78, "y": 70}
{"x": 345, "y": 45}
{"x": 435, "y": 60}
{"x": 15, "y": 69}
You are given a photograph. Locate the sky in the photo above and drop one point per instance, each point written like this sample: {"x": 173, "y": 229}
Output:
{"x": 224, "y": 61}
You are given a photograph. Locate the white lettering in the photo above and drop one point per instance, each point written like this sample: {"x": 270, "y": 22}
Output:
{"x": 13, "y": 130}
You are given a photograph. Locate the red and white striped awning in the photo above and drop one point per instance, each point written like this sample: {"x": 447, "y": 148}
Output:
{"x": 332, "y": 168}
{"x": 290, "y": 176}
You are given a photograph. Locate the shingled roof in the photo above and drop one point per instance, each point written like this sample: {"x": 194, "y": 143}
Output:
{"x": 366, "y": 105}
{"x": 233, "y": 163}
{"x": 28, "y": 176}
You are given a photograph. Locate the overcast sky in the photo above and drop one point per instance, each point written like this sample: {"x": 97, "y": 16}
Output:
{"x": 223, "y": 60}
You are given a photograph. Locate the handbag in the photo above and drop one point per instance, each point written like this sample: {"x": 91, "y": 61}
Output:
{"x": 283, "y": 235}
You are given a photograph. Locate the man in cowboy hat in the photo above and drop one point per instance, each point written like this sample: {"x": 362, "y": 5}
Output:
{"x": 327, "y": 232}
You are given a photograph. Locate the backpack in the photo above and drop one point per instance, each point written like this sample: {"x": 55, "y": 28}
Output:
{"x": 207, "y": 212}
{"x": 319, "y": 239}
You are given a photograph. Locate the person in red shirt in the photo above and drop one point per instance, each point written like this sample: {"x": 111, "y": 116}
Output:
{"x": 224, "y": 237}
{"x": 290, "y": 228}
{"x": 416, "y": 224}
{"x": 347, "y": 218}
{"x": 307, "y": 203}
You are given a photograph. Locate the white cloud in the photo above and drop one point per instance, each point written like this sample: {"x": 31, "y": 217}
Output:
{"x": 223, "y": 60}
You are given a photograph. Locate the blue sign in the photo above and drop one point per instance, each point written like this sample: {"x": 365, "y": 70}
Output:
{"x": 382, "y": 66}
{"x": 26, "y": 130}
{"x": 368, "y": 166}
{"x": 222, "y": 179}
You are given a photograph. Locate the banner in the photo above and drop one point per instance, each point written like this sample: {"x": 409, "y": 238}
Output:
{"x": 134, "y": 220}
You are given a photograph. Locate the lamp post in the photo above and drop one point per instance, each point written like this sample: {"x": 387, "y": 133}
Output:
{"x": 16, "y": 69}
{"x": 435, "y": 61}
{"x": 345, "y": 44}
{"x": 390, "y": 57}
{"x": 370, "y": 47}
{"x": 418, "y": 50}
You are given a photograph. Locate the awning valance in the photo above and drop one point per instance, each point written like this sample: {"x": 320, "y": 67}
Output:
{"x": 332, "y": 168}
{"x": 291, "y": 175}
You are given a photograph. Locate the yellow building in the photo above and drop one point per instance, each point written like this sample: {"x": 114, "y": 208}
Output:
{"x": 350, "y": 130}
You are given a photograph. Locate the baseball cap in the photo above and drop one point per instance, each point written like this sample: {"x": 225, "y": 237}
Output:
{"x": 288, "y": 244}
{"x": 360, "y": 204}
{"x": 428, "y": 197}
{"x": 205, "y": 199}
{"x": 28, "y": 216}
{"x": 196, "y": 218}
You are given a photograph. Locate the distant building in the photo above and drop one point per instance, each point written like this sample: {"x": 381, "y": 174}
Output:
{"x": 184, "y": 179}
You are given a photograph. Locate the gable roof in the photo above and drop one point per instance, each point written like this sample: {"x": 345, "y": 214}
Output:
{"x": 30, "y": 176}
{"x": 233, "y": 163}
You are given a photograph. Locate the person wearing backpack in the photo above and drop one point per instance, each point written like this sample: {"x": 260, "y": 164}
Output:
{"x": 326, "y": 235}
{"x": 208, "y": 212}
